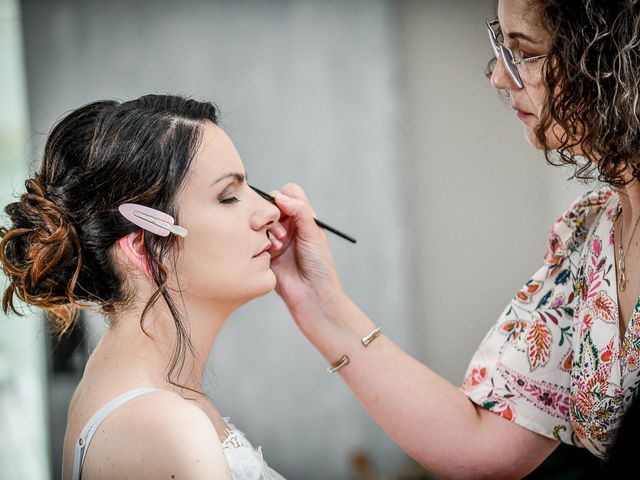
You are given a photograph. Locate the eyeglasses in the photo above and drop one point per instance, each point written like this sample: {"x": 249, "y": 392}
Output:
{"x": 509, "y": 59}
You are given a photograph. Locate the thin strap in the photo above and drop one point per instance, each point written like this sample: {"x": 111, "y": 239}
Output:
{"x": 94, "y": 422}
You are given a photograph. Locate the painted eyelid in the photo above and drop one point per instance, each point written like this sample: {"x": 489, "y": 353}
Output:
{"x": 234, "y": 183}
{"x": 226, "y": 193}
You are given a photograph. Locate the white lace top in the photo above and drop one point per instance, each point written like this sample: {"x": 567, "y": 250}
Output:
{"x": 245, "y": 462}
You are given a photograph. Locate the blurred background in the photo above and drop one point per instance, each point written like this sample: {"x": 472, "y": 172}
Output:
{"x": 380, "y": 109}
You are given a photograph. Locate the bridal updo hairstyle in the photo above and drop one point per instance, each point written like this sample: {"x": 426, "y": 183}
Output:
{"x": 57, "y": 252}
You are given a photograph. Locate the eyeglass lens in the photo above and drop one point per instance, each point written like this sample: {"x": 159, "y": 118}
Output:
{"x": 500, "y": 50}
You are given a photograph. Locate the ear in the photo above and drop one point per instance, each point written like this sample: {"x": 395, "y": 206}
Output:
{"x": 133, "y": 247}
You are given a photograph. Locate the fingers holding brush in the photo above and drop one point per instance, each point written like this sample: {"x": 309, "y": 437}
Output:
{"x": 304, "y": 264}
{"x": 293, "y": 204}
{"x": 298, "y": 220}
{"x": 278, "y": 236}
{"x": 294, "y": 191}
{"x": 300, "y": 254}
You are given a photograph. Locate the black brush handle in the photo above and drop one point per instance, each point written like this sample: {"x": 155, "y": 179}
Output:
{"x": 268, "y": 197}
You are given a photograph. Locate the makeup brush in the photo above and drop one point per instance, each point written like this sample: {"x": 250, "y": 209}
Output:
{"x": 268, "y": 197}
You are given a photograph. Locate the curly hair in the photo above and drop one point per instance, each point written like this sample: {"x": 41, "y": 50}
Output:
{"x": 53, "y": 246}
{"x": 592, "y": 75}
{"x": 57, "y": 254}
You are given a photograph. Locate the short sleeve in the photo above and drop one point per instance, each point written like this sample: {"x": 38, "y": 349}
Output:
{"x": 522, "y": 368}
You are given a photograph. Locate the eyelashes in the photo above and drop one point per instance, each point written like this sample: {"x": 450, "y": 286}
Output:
{"x": 225, "y": 200}
{"x": 227, "y": 197}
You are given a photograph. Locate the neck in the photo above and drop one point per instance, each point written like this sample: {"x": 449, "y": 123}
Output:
{"x": 630, "y": 203}
{"x": 126, "y": 347}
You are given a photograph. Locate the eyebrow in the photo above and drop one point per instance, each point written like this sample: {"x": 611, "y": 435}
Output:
{"x": 516, "y": 35}
{"x": 239, "y": 177}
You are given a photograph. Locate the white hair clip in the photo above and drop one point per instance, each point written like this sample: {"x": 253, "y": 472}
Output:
{"x": 151, "y": 219}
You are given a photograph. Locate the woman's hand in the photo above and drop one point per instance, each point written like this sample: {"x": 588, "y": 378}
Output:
{"x": 301, "y": 259}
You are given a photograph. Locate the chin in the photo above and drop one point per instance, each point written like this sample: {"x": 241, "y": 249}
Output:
{"x": 531, "y": 138}
{"x": 272, "y": 281}
{"x": 554, "y": 136}
{"x": 267, "y": 284}
{"x": 237, "y": 291}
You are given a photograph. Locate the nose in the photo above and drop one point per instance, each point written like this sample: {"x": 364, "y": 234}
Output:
{"x": 265, "y": 213}
{"x": 501, "y": 78}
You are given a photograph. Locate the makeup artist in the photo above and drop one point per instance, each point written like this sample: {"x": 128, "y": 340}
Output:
{"x": 562, "y": 362}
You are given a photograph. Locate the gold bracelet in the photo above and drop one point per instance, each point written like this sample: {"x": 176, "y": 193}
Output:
{"x": 344, "y": 360}
{"x": 371, "y": 337}
{"x": 339, "y": 364}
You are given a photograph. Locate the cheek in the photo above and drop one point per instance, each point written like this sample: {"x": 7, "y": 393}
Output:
{"x": 553, "y": 136}
{"x": 212, "y": 261}
{"x": 531, "y": 138}
{"x": 537, "y": 94}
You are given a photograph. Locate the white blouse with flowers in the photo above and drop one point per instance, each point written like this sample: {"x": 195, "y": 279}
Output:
{"x": 554, "y": 362}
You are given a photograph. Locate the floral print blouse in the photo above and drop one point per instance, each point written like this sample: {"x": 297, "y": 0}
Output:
{"x": 554, "y": 362}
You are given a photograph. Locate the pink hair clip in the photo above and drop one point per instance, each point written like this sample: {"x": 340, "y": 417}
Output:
{"x": 151, "y": 219}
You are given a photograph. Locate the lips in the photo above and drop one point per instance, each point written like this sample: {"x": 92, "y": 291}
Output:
{"x": 265, "y": 249}
{"x": 520, "y": 110}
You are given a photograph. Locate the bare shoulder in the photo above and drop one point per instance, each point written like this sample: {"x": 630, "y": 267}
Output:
{"x": 157, "y": 435}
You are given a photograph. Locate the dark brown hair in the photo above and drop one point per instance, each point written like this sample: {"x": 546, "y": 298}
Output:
{"x": 56, "y": 253}
{"x": 593, "y": 70}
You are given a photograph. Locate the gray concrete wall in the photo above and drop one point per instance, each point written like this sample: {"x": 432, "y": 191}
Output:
{"x": 309, "y": 94}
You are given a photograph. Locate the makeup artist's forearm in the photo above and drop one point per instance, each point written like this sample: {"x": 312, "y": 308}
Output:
{"x": 430, "y": 418}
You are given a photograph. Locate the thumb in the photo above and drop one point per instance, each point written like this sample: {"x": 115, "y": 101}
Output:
{"x": 300, "y": 212}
